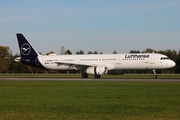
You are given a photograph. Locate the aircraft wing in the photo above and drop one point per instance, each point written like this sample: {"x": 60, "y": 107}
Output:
{"x": 85, "y": 65}
{"x": 76, "y": 64}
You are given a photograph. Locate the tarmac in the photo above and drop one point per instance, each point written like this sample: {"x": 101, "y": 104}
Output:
{"x": 90, "y": 79}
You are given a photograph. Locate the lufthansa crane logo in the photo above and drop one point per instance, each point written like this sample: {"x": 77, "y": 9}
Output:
{"x": 25, "y": 49}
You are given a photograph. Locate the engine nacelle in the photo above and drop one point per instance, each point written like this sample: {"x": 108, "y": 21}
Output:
{"x": 100, "y": 70}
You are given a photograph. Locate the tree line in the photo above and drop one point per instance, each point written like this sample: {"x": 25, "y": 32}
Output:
{"x": 8, "y": 65}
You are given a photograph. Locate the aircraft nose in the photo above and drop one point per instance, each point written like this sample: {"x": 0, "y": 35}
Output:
{"x": 171, "y": 63}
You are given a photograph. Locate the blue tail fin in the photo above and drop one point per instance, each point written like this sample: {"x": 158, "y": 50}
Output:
{"x": 26, "y": 50}
{"x": 29, "y": 55}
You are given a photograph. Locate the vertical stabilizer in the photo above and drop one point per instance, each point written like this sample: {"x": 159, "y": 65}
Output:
{"x": 26, "y": 49}
{"x": 29, "y": 55}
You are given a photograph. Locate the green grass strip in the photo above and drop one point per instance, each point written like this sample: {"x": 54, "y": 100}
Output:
{"x": 90, "y": 100}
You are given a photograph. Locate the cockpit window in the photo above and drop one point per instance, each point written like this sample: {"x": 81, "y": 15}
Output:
{"x": 164, "y": 58}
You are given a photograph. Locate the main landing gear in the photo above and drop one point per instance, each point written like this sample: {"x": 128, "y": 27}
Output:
{"x": 97, "y": 76}
{"x": 155, "y": 75}
{"x": 85, "y": 75}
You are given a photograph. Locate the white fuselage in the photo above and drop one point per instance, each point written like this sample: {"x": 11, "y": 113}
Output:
{"x": 97, "y": 65}
{"x": 111, "y": 61}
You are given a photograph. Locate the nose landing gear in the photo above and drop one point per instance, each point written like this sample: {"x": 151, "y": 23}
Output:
{"x": 155, "y": 75}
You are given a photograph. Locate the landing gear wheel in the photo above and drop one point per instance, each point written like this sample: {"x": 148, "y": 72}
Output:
{"x": 97, "y": 76}
{"x": 155, "y": 76}
{"x": 84, "y": 75}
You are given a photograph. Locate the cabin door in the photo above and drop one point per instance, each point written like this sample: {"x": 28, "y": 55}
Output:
{"x": 77, "y": 59}
{"x": 118, "y": 61}
{"x": 152, "y": 59}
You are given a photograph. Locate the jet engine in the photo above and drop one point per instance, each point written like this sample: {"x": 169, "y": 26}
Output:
{"x": 99, "y": 70}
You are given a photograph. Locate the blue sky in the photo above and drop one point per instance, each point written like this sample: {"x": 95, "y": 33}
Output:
{"x": 89, "y": 25}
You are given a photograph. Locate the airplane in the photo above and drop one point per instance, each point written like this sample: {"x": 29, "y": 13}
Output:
{"x": 96, "y": 65}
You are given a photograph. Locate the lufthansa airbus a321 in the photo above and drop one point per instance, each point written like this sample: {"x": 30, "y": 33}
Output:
{"x": 96, "y": 65}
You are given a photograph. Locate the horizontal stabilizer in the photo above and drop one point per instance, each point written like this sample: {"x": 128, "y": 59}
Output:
{"x": 18, "y": 59}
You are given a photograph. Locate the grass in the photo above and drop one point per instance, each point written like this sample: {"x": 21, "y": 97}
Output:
{"x": 90, "y": 100}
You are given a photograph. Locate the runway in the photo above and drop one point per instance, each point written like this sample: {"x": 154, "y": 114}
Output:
{"x": 89, "y": 79}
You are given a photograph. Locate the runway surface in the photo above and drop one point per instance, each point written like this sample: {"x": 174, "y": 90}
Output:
{"x": 82, "y": 79}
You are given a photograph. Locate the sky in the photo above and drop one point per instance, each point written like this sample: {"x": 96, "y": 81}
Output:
{"x": 91, "y": 25}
